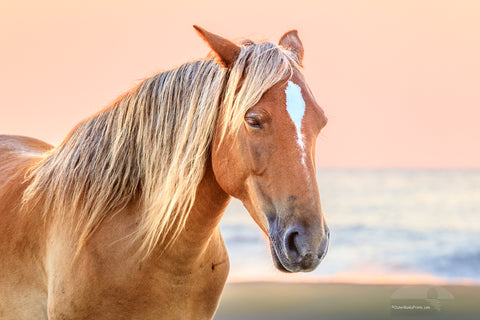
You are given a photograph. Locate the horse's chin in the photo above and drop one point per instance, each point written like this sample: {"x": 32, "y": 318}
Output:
{"x": 277, "y": 261}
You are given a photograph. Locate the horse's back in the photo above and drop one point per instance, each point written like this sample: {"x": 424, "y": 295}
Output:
{"x": 14, "y": 145}
{"x": 23, "y": 289}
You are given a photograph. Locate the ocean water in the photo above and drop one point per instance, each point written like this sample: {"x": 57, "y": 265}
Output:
{"x": 385, "y": 224}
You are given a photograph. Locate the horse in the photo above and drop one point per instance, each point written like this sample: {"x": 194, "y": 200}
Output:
{"x": 120, "y": 221}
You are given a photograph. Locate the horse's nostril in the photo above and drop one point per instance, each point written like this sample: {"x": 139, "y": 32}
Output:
{"x": 291, "y": 245}
{"x": 324, "y": 247}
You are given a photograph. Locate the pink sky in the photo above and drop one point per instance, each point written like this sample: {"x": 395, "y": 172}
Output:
{"x": 399, "y": 80}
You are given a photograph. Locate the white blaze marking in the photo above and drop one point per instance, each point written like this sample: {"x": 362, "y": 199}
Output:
{"x": 296, "y": 110}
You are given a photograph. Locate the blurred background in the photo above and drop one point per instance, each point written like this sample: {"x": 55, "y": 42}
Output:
{"x": 399, "y": 162}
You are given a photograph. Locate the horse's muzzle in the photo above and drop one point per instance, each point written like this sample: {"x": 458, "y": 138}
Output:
{"x": 298, "y": 249}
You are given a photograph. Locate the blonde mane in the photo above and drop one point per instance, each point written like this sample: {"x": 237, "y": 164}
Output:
{"x": 152, "y": 146}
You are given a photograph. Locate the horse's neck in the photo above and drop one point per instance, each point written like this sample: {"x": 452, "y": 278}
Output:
{"x": 202, "y": 224}
{"x": 210, "y": 203}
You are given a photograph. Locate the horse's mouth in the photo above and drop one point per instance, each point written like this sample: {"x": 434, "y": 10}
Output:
{"x": 276, "y": 260}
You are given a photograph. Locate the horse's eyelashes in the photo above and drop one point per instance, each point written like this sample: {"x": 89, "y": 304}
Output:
{"x": 254, "y": 122}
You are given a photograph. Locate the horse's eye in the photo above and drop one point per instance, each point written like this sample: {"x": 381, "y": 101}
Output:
{"x": 253, "y": 122}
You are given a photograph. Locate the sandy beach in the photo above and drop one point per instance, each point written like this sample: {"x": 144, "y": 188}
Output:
{"x": 305, "y": 301}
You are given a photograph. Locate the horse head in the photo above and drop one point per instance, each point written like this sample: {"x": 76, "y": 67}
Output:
{"x": 268, "y": 162}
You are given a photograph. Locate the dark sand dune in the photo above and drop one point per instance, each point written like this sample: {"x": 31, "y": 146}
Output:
{"x": 242, "y": 301}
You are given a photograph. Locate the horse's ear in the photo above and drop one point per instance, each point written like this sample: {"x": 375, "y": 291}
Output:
{"x": 292, "y": 42}
{"x": 226, "y": 51}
